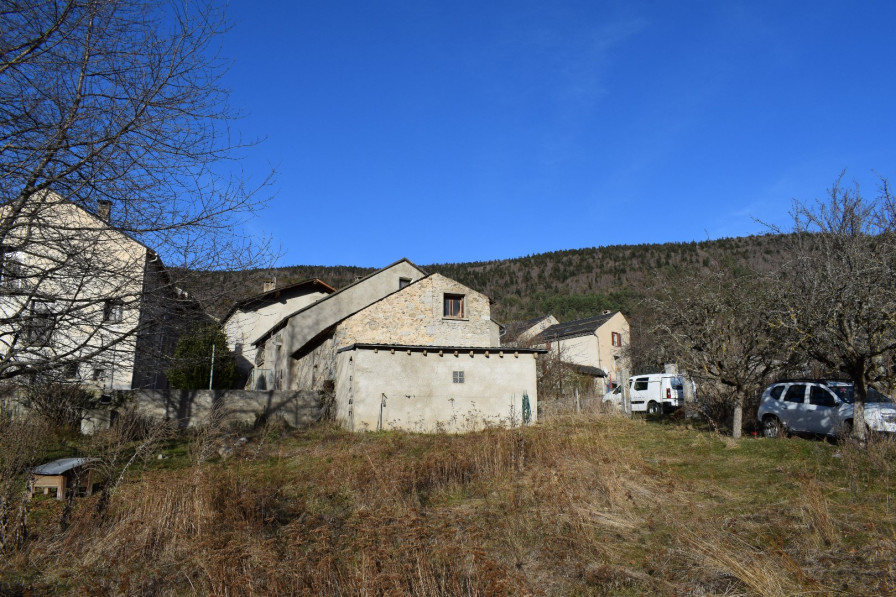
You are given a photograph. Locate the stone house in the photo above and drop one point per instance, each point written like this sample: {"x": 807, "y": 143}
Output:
{"x": 82, "y": 301}
{"x": 252, "y": 317}
{"x": 595, "y": 342}
{"x": 403, "y": 349}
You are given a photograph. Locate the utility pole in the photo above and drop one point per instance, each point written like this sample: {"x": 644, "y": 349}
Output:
{"x": 211, "y": 374}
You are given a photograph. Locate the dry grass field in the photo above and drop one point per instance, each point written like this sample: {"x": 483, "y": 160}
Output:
{"x": 588, "y": 505}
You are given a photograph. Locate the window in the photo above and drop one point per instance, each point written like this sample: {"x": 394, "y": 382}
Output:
{"x": 822, "y": 397}
{"x": 795, "y": 393}
{"x": 617, "y": 338}
{"x": 39, "y": 326}
{"x": 71, "y": 371}
{"x": 776, "y": 392}
{"x": 10, "y": 268}
{"x": 99, "y": 375}
{"x": 402, "y": 282}
{"x": 641, "y": 384}
{"x": 457, "y": 376}
{"x": 113, "y": 311}
{"x": 454, "y": 305}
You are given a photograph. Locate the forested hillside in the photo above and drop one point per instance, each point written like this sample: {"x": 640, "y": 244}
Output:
{"x": 568, "y": 284}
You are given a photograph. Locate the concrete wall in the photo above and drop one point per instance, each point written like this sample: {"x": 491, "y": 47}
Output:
{"x": 420, "y": 393}
{"x": 192, "y": 407}
{"x": 415, "y": 316}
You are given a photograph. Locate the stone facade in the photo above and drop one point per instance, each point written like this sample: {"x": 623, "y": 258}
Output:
{"x": 296, "y": 335}
{"x": 415, "y": 316}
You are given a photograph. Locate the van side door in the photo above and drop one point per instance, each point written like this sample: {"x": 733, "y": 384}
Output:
{"x": 638, "y": 392}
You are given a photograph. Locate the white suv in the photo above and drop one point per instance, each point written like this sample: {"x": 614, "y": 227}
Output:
{"x": 823, "y": 407}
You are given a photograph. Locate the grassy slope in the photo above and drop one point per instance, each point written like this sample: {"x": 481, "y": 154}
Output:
{"x": 586, "y": 506}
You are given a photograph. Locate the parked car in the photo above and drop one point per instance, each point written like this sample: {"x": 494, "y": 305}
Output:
{"x": 653, "y": 393}
{"x": 820, "y": 407}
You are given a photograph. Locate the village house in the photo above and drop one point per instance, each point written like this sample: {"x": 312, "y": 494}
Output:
{"x": 593, "y": 346}
{"x": 403, "y": 349}
{"x": 250, "y": 318}
{"x": 82, "y": 301}
{"x": 521, "y": 333}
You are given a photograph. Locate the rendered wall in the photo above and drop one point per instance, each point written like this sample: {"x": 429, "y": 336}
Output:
{"x": 612, "y": 357}
{"x": 73, "y": 261}
{"x": 420, "y": 394}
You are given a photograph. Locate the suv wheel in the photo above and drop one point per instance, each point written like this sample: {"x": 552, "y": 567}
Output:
{"x": 772, "y": 427}
{"x": 653, "y": 408}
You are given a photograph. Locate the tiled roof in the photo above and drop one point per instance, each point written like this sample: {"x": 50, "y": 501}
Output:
{"x": 579, "y": 327}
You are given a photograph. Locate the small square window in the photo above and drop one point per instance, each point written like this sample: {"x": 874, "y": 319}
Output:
{"x": 402, "y": 282}
{"x": 99, "y": 375}
{"x": 458, "y": 376}
{"x": 113, "y": 311}
{"x": 454, "y": 305}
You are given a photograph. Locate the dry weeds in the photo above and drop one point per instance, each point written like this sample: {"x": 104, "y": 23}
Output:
{"x": 586, "y": 506}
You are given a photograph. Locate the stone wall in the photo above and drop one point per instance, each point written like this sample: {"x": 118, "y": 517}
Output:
{"x": 192, "y": 407}
{"x": 415, "y": 317}
{"x": 315, "y": 367}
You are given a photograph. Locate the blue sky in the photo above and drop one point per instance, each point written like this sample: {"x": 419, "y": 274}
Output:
{"x": 467, "y": 131}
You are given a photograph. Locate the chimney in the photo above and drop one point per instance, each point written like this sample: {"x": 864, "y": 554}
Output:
{"x": 270, "y": 284}
{"x": 103, "y": 209}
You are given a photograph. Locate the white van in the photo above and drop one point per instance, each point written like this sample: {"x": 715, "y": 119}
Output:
{"x": 653, "y": 393}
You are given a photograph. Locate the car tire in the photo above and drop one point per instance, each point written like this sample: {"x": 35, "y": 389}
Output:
{"x": 772, "y": 427}
{"x": 653, "y": 408}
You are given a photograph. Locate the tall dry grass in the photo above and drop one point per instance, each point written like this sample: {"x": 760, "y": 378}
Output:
{"x": 580, "y": 505}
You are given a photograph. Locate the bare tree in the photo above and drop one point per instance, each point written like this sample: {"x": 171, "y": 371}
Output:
{"x": 839, "y": 300}
{"x": 114, "y": 138}
{"x": 716, "y": 326}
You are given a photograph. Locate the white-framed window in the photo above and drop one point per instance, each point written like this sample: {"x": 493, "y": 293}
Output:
{"x": 457, "y": 376}
{"x": 454, "y": 306}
